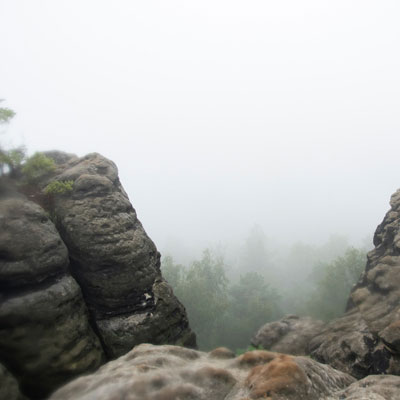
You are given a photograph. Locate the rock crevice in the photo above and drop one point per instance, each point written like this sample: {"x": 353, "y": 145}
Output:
{"x": 82, "y": 286}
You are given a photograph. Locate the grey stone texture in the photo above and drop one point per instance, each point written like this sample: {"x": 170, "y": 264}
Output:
{"x": 45, "y": 335}
{"x": 80, "y": 279}
{"x": 366, "y": 339}
{"x": 151, "y": 372}
{"x": 290, "y": 335}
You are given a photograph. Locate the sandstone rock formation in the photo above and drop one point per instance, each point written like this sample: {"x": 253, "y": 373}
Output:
{"x": 114, "y": 261}
{"x": 169, "y": 372}
{"x": 45, "y": 335}
{"x": 81, "y": 281}
{"x": 290, "y": 335}
{"x": 366, "y": 339}
{"x": 9, "y": 388}
{"x": 373, "y": 387}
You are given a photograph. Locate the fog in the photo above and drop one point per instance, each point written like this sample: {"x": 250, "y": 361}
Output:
{"x": 221, "y": 115}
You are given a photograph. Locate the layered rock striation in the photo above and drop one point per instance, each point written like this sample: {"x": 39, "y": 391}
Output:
{"x": 80, "y": 280}
{"x": 45, "y": 335}
{"x": 114, "y": 261}
{"x": 366, "y": 340}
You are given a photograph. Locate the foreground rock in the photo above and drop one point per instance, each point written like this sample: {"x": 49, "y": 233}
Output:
{"x": 71, "y": 297}
{"x": 366, "y": 340}
{"x": 373, "y": 387}
{"x": 169, "y": 372}
{"x": 290, "y": 335}
{"x": 114, "y": 261}
{"x": 9, "y": 388}
{"x": 45, "y": 335}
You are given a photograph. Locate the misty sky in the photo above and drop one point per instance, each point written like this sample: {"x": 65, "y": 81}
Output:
{"x": 219, "y": 114}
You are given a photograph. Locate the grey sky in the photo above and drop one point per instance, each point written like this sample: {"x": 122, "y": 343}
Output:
{"x": 219, "y": 114}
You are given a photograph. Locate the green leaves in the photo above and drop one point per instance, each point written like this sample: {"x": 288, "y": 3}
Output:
{"x": 13, "y": 158}
{"x": 59, "y": 187}
{"x": 36, "y": 167}
{"x": 6, "y": 114}
{"x": 202, "y": 289}
{"x": 333, "y": 283}
{"x": 221, "y": 315}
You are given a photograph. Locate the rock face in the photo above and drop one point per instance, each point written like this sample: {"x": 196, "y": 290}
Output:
{"x": 373, "y": 387}
{"x": 168, "y": 372}
{"x": 114, "y": 261}
{"x": 366, "y": 339}
{"x": 45, "y": 336}
{"x": 82, "y": 286}
{"x": 9, "y": 388}
{"x": 290, "y": 335}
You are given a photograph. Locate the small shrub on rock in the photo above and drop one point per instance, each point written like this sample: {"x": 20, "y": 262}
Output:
{"x": 59, "y": 187}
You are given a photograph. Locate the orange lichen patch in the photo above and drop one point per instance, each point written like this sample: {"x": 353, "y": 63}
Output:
{"x": 257, "y": 357}
{"x": 281, "y": 376}
{"x": 222, "y": 353}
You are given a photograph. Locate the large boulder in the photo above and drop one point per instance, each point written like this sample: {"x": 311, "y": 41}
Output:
{"x": 45, "y": 335}
{"x": 31, "y": 249}
{"x": 366, "y": 340}
{"x": 114, "y": 261}
{"x": 170, "y": 372}
{"x": 373, "y": 387}
{"x": 290, "y": 335}
{"x": 9, "y": 388}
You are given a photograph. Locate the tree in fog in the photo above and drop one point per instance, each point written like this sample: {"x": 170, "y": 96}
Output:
{"x": 6, "y": 114}
{"x": 221, "y": 315}
{"x": 255, "y": 256}
{"x": 202, "y": 288}
{"x": 333, "y": 282}
{"x": 252, "y": 303}
{"x": 10, "y": 159}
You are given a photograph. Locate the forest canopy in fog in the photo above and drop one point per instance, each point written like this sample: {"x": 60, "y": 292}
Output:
{"x": 229, "y": 293}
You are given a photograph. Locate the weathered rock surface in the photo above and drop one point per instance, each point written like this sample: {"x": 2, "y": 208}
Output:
{"x": 160, "y": 325}
{"x": 366, "y": 339}
{"x": 45, "y": 336}
{"x": 373, "y": 387}
{"x": 63, "y": 309}
{"x": 290, "y": 335}
{"x": 31, "y": 249}
{"x": 169, "y": 372}
{"x": 9, "y": 388}
{"x": 114, "y": 261}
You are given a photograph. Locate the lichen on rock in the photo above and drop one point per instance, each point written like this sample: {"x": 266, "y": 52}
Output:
{"x": 169, "y": 372}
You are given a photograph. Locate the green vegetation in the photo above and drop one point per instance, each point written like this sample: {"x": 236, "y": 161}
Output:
{"x": 59, "y": 187}
{"x": 203, "y": 290}
{"x": 13, "y": 159}
{"x": 252, "y": 303}
{"x": 226, "y": 305}
{"x": 221, "y": 314}
{"x": 36, "y": 167}
{"x": 333, "y": 283}
{"x": 6, "y": 114}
